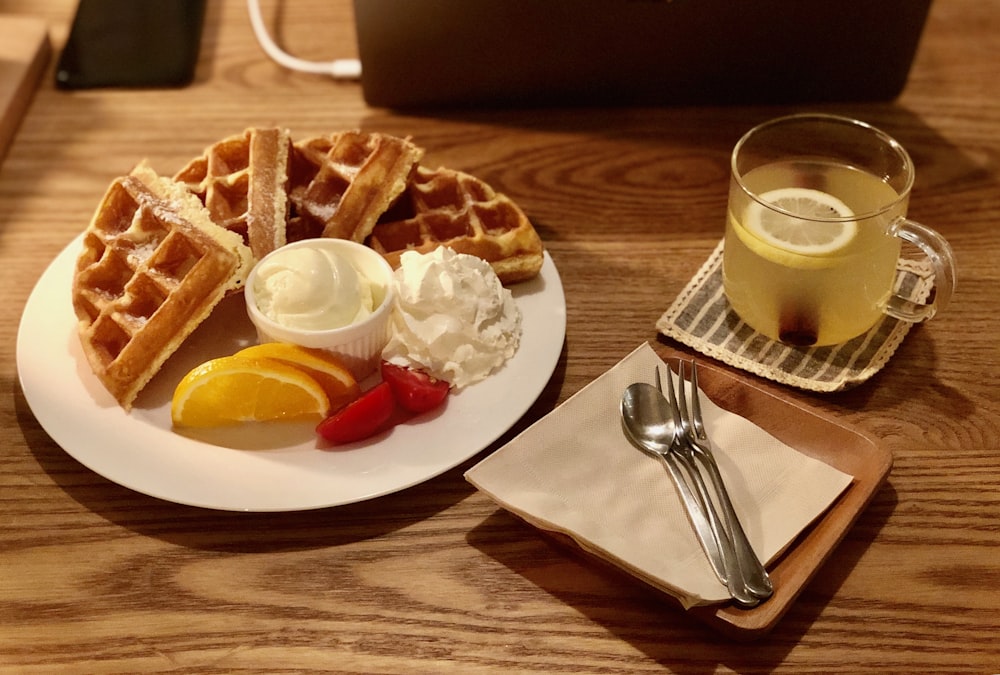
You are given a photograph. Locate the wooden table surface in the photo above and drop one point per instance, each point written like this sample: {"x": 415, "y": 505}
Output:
{"x": 97, "y": 578}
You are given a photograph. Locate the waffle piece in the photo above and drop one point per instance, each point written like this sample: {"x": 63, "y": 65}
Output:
{"x": 340, "y": 184}
{"x": 243, "y": 181}
{"x": 450, "y": 208}
{"x": 153, "y": 267}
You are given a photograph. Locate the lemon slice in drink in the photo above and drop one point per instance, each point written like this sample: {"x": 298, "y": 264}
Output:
{"x": 809, "y": 233}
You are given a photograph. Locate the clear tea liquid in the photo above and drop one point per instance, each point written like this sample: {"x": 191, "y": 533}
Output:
{"x": 811, "y": 298}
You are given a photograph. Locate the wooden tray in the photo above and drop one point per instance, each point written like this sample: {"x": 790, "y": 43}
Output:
{"x": 811, "y": 434}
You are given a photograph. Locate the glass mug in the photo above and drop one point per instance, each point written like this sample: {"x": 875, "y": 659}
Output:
{"x": 816, "y": 217}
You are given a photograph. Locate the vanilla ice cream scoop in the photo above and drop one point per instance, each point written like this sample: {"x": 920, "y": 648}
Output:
{"x": 312, "y": 289}
{"x": 324, "y": 293}
{"x": 453, "y": 318}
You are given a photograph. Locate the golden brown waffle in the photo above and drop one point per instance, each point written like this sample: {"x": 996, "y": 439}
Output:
{"x": 340, "y": 184}
{"x": 153, "y": 266}
{"x": 243, "y": 181}
{"x": 450, "y": 208}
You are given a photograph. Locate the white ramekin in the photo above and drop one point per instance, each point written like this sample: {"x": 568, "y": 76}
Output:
{"x": 359, "y": 345}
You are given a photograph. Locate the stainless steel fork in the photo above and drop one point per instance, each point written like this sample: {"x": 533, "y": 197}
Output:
{"x": 754, "y": 574}
{"x": 732, "y": 570}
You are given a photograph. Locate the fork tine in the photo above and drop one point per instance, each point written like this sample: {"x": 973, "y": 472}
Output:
{"x": 659, "y": 385}
{"x": 696, "y": 420}
{"x": 672, "y": 399}
{"x": 681, "y": 396}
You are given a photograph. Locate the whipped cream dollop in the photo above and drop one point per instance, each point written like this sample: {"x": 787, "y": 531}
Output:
{"x": 453, "y": 318}
{"x": 312, "y": 289}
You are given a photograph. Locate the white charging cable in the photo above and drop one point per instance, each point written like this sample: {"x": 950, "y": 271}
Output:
{"x": 341, "y": 69}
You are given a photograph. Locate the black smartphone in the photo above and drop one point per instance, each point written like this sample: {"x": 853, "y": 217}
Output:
{"x": 131, "y": 43}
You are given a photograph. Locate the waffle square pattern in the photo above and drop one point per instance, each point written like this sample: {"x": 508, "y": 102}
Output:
{"x": 443, "y": 207}
{"x": 150, "y": 271}
{"x": 160, "y": 253}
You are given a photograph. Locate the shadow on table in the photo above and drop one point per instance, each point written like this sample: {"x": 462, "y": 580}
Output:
{"x": 239, "y": 532}
{"x": 709, "y": 131}
{"x": 653, "y": 622}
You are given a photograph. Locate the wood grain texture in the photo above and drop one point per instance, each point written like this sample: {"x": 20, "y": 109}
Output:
{"x": 437, "y": 579}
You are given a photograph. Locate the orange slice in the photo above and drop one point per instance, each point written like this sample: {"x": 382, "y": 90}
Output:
{"x": 233, "y": 389}
{"x": 338, "y": 382}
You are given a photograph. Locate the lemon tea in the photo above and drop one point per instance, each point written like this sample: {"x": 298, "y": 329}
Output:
{"x": 813, "y": 267}
{"x": 817, "y": 211}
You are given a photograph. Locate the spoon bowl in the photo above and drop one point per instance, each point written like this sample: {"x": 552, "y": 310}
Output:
{"x": 648, "y": 422}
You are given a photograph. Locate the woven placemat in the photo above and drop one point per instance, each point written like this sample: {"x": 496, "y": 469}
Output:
{"x": 702, "y": 318}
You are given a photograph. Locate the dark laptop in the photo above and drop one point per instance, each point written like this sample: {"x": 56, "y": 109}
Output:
{"x": 542, "y": 52}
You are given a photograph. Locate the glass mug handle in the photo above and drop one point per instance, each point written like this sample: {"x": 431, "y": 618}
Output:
{"x": 942, "y": 261}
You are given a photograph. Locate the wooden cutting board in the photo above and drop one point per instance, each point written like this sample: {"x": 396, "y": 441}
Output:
{"x": 24, "y": 53}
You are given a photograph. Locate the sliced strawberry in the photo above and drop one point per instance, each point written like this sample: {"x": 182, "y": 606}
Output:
{"x": 414, "y": 390}
{"x": 362, "y": 418}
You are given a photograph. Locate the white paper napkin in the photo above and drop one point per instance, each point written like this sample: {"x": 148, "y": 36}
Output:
{"x": 575, "y": 473}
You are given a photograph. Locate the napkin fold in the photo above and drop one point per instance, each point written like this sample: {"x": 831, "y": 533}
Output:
{"x": 702, "y": 318}
{"x": 575, "y": 473}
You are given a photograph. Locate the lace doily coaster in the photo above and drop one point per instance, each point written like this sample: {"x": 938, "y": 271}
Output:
{"x": 702, "y": 318}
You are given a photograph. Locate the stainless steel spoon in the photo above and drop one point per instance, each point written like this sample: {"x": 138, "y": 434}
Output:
{"x": 648, "y": 422}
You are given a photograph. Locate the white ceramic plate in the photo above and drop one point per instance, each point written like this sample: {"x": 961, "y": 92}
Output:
{"x": 262, "y": 467}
